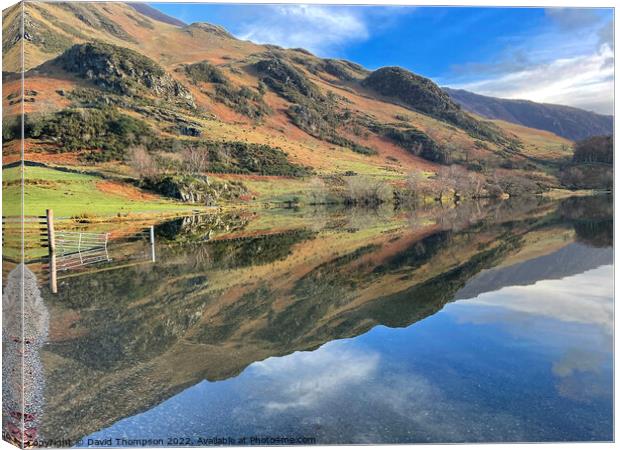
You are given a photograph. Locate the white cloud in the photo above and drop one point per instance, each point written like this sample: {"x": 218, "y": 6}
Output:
{"x": 586, "y": 298}
{"x": 304, "y": 378}
{"x": 320, "y": 29}
{"x": 570, "y": 61}
{"x": 581, "y": 81}
{"x": 312, "y": 387}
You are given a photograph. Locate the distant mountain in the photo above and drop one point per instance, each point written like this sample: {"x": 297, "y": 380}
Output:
{"x": 153, "y": 13}
{"x": 574, "y": 258}
{"x": 566, "y": 121}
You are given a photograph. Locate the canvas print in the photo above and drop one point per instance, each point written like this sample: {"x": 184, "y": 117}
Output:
{"x": 303, "y": 224}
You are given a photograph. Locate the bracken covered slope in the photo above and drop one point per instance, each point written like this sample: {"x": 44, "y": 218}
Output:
{"x": 196, "y": 86}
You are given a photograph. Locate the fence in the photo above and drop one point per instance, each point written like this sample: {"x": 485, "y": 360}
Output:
{"x": 67, "y": 250}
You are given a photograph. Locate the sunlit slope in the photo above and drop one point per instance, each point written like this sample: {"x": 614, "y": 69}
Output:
{"x": 329, "y": 115}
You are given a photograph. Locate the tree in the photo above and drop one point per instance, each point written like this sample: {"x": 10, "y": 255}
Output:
{"x": 195, "y": 159}
{"x": 318, "y": 192}
{"x": 362, "y": 190}
{"x": 142, "y": 162}
{"x": 418, "y": 184}
{"x": 595, "y": 149}
{"x": 445, "y": 180}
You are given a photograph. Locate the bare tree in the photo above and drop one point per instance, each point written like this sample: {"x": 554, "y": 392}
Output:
{"x": 445, "y": 180}
{"x": 364, "y": 190}
{"x": 142, "y": 162}
{"x": 419, "y": 186}
{"x": 196, "y": 160}
{"x": 317, "y": 193}
{"x": 459, "y": 180}
{"x": 476, "y": 182}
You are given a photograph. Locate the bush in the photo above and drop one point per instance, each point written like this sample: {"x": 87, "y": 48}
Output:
{"x": 106, "y": 132}
{"x": 205, "y": 72}
{"x": 11, "y": 128}
{"x": 237, "y": 157}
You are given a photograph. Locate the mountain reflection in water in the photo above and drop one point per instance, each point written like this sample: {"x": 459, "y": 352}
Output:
{"x": 474, "y": 323}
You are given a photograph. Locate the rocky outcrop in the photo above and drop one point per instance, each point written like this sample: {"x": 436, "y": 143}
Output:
{"x": 122, "y": 71}
{"x": 204, "y": 27}
{"x": 423, "y": 95}
{"x": 196, "y": 189}
{"x": 286, "y": 80}
{"x": 35, "y": 33}
{"x": 339, "y": 69}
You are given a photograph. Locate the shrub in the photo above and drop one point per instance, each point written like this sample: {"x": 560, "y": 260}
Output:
{"x": 11, "y": 128}
{"x": 106, "y": 132}
{"x": 205, "y": 72}
{"x": 237, "y": 157}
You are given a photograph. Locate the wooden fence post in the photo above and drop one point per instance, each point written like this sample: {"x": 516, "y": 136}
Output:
{"x": 51, "y": 242}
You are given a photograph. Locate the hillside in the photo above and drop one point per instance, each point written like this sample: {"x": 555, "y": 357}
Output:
{"x": 146, "y": 99}
{"x": 566, "y": 121}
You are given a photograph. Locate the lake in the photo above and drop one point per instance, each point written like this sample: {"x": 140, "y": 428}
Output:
{"x": 468, "y": 323}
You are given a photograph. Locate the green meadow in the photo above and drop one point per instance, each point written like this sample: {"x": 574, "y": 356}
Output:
{"x": 72, "y": 194}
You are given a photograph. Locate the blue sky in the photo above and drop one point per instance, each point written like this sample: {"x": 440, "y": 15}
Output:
{"x": 559, "y": 55}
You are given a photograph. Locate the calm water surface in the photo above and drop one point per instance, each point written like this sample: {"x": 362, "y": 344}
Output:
{"x": 476, "y": 323}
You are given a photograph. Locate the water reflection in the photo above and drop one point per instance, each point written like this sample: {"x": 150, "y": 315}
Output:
{"x": 478, "y": 371}
{"x": 345, "y": 329}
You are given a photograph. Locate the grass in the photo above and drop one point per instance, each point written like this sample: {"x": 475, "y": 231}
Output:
{"x": 70, "y": 194}
{"x": 539, "y": 143}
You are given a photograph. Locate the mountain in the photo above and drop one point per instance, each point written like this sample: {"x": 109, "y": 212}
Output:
{"x": 572, "y": 123}
{"x": 156, "y": 14}
{"x": 106, "y": 81}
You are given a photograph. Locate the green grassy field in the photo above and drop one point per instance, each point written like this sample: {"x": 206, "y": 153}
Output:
{"x": 72, "y": 194}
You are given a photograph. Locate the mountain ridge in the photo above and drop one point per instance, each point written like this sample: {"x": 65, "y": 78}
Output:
{"x": 156, "y": 14}
{"x": 566, "y": 121}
